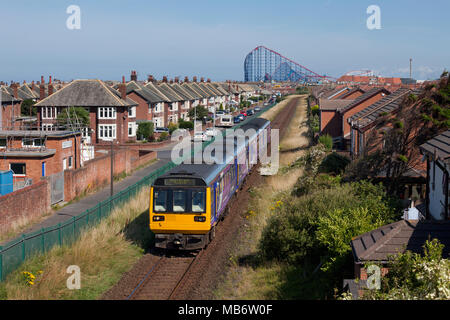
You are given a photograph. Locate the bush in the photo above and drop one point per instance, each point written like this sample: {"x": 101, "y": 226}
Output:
{"x": 182, "y": 124}
{"x": 327, "y": 141}
{"x": 172, "y": 127}
{"x": 334, "y": 163}
{"x": 315, "y": 111}
{"x": 145, "y": 130}
{"x": 163, "y": 136}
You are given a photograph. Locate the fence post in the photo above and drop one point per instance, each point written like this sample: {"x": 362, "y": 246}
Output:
{"x": 73, "y": 228}
{"x": 43, "y": 240}
{"x": 23, "y": 247}
{"x": 59, "y": 234}
{"x": 1, "y": 263}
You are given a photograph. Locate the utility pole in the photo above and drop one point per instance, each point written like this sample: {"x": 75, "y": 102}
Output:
{"x": 112, "y": 167}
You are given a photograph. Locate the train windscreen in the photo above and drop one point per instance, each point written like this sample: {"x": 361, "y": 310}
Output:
{"x": 179, "y": 200}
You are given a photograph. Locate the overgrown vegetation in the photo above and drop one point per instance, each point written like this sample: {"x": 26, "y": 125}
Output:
{"x": 27, "y": 108}
{"x": 145, "y": 130}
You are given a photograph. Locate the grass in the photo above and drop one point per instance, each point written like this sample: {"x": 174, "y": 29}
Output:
{"x": 248, "y": 276}
{"x": 24, "y": 222}
{"x": 103, "y": 254}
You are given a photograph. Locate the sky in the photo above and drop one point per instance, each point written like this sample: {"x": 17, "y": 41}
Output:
{"x": 211, "y": 38}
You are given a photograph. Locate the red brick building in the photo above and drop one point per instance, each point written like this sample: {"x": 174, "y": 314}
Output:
{"x": 36, "y": 154}
{"x": 110, "y": 111}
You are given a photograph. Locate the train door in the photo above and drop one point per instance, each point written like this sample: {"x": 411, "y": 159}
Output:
{"x": 214, "y": 202}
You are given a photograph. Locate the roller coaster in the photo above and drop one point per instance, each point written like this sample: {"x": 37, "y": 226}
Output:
{"x": 265, "y": 65}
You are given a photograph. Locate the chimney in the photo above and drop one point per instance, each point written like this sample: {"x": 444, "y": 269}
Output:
{"x": 171, "y": 81}
{"x": 194, "y": 79}
{"x": 123, "y": 89}
{"x": 50, "y": 86}
{"x": 24, "y": 82}
{"x": 186, "y": 79}
{"x": 42, "y": 89}
{"x": 177, "y": 79}
{"x": 133, "y": 75}
{"x": 209, "y": 80}
{"x": 150, "y": 78}
{"x": 202, "y": 79}
{"x": 164, "y": 79}
{"x": 14, "y": 86}
{"x": 32, "y": 85}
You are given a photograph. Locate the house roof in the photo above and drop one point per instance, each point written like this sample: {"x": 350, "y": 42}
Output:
{"x": 143, "y": 91}
{"x": 86, "y": 93}
{"x": 439, "y": 146}
{"x": 367, "y": 95}
{"x": 338, "y": 104}
{"x": 156, "y": 90}
{"x": 185, "y": 94}
{"x": 388, "y": 240}
{"x": 6, "y": 96}
{"x": 169, "y": 92}
{"x": 336, "y": 92}
{"x": 385, "y": 105}
{"x": 187, "y": 87}
{"x": 351, "y": 91}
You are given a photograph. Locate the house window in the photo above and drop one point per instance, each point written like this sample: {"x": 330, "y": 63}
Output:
{"x": 47, "y": 127}
{"x": 107, "y": 132}
{"x": 132, "y": 112}
{"x": 30, "y": 142}
{"x": 49, "y": 112}
{"x": 131, "y": 129}
{"x": 19, "y": 169}
{"x": 64, "y": 163}
{"x": 85, "y": 132}
{"x": 158, "y": 107}
{"x": 107, "y": 113}
{"x": 70, "y": 162}
{"x": 3, "y": 143}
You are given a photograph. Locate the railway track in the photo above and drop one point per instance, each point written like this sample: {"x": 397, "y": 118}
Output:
{"x": 168, "y": 278}
{"x": 164, "y": 278}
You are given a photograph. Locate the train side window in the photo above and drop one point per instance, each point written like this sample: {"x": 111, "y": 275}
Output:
{"x": 179, "y": 201}
{"x": 198, "y": 201}
{"x": 160, "y": 199}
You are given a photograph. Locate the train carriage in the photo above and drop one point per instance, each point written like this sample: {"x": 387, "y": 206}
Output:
{"x": 187, "y": 203}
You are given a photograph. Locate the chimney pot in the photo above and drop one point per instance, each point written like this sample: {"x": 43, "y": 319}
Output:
{"x": 50, "y": 79}
{"x": 186, "y": 79}
{"x": 42, "y": 79}
{"x": 202, "y": 79}
{"x": 123, "y": 79}
{"x": 194, "y": 79}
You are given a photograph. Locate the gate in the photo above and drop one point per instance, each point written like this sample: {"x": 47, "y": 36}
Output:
{"x": 57, "y": 187}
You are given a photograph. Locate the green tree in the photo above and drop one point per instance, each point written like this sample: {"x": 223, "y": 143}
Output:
{"x": 70, "y": 115}
{"x": 182, "y": 124}
{"x": 327, "y": 141}
{"x": 145, "y": 130}
{"x": 172, "y": 127}
{"x": 200, "y": 111}
{"x": 27, "y": 108}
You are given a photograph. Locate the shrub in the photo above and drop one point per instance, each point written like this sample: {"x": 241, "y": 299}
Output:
{"x": 182, "y": 124}
{"x": 145, "y": 130}
{"x": 334, "y": 163}
{"x": 315, "y": 110}
{"x": 163, "y": 136}
{"x": 327, "y": 141}
{"x": 172, "y": 127}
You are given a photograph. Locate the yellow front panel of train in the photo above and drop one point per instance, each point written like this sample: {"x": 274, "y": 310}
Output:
{"x": 173, "y": 222}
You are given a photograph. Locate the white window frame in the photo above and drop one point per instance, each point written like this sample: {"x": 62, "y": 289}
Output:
{"x": 132, "y": 126}
{"x": 109, "y": 129}
{"x": 6, "y": 143}
{"x": 106, "y": 113}
{"x": 19, "y": 175}
{"x": 33, "y": 145}
{"x": 132, "y": 112}
{"x": 47, "y": 127}
{"x": 49, "y": 112}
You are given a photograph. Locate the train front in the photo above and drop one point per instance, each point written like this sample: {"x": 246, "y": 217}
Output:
{"x": 180, "y": 212}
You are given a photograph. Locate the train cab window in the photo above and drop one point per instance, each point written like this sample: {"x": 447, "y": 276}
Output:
{"x": 179, "y": 201}
{"x": 198, "y": 201}
{"x": 160, "y": 200}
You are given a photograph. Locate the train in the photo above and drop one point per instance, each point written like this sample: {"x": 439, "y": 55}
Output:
{"x": 187, "y": 203}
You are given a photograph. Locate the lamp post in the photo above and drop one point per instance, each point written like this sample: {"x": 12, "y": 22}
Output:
{"x": 112, "y": 167}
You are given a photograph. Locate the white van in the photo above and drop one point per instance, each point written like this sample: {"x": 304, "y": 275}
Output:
{"x": 226, "y": 120}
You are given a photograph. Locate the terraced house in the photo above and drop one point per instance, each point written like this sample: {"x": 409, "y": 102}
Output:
{"x": 110, "y": 111}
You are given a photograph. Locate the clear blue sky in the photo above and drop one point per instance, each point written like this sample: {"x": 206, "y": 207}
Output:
{"x": 211, "y": 38}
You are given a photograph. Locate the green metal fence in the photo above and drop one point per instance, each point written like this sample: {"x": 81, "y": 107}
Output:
{"x": 14, "y": 253}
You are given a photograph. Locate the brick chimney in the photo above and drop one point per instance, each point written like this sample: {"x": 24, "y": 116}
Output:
{"x": 15, "y": 86}
{"x": 171, "y": 81}
{"x": 186, "y": 79}
{"x": 123, "y": 89}
{"x": 202, "y": 79}
{"x": 164, "y": 79}
{"x": 133, "y": 75}
{"x": 42, "y": 89}
{"x": 50, "y": 86}
{"x": 194, "y": 79}
{"x": 209, "y": 80}
{"x": 177, "y": 79}
{"x": 33, "y": 85}
{"x": 150, "y": 78}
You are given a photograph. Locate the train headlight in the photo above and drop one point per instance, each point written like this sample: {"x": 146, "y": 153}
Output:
{"x": 199, "y": 219}
{"x": 158, "y": 218}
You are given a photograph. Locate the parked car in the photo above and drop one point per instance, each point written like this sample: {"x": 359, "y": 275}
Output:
{"x": 220, "y": 112}
{"x": 199, "y": 136}
{"x": 241, "y": 116}
{"x": 244, "y": 113}
{"x": 226, "y": 120}
{"x": 212, "y": 132}
{"x": 236, "y": 119}
{"x": 257, "y": 109}
{"x": 250, "y": 112}
{"x": 161, "y": 130}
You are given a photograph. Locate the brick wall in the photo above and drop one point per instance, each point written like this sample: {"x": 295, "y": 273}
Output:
{"x": 33, "y": 201}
